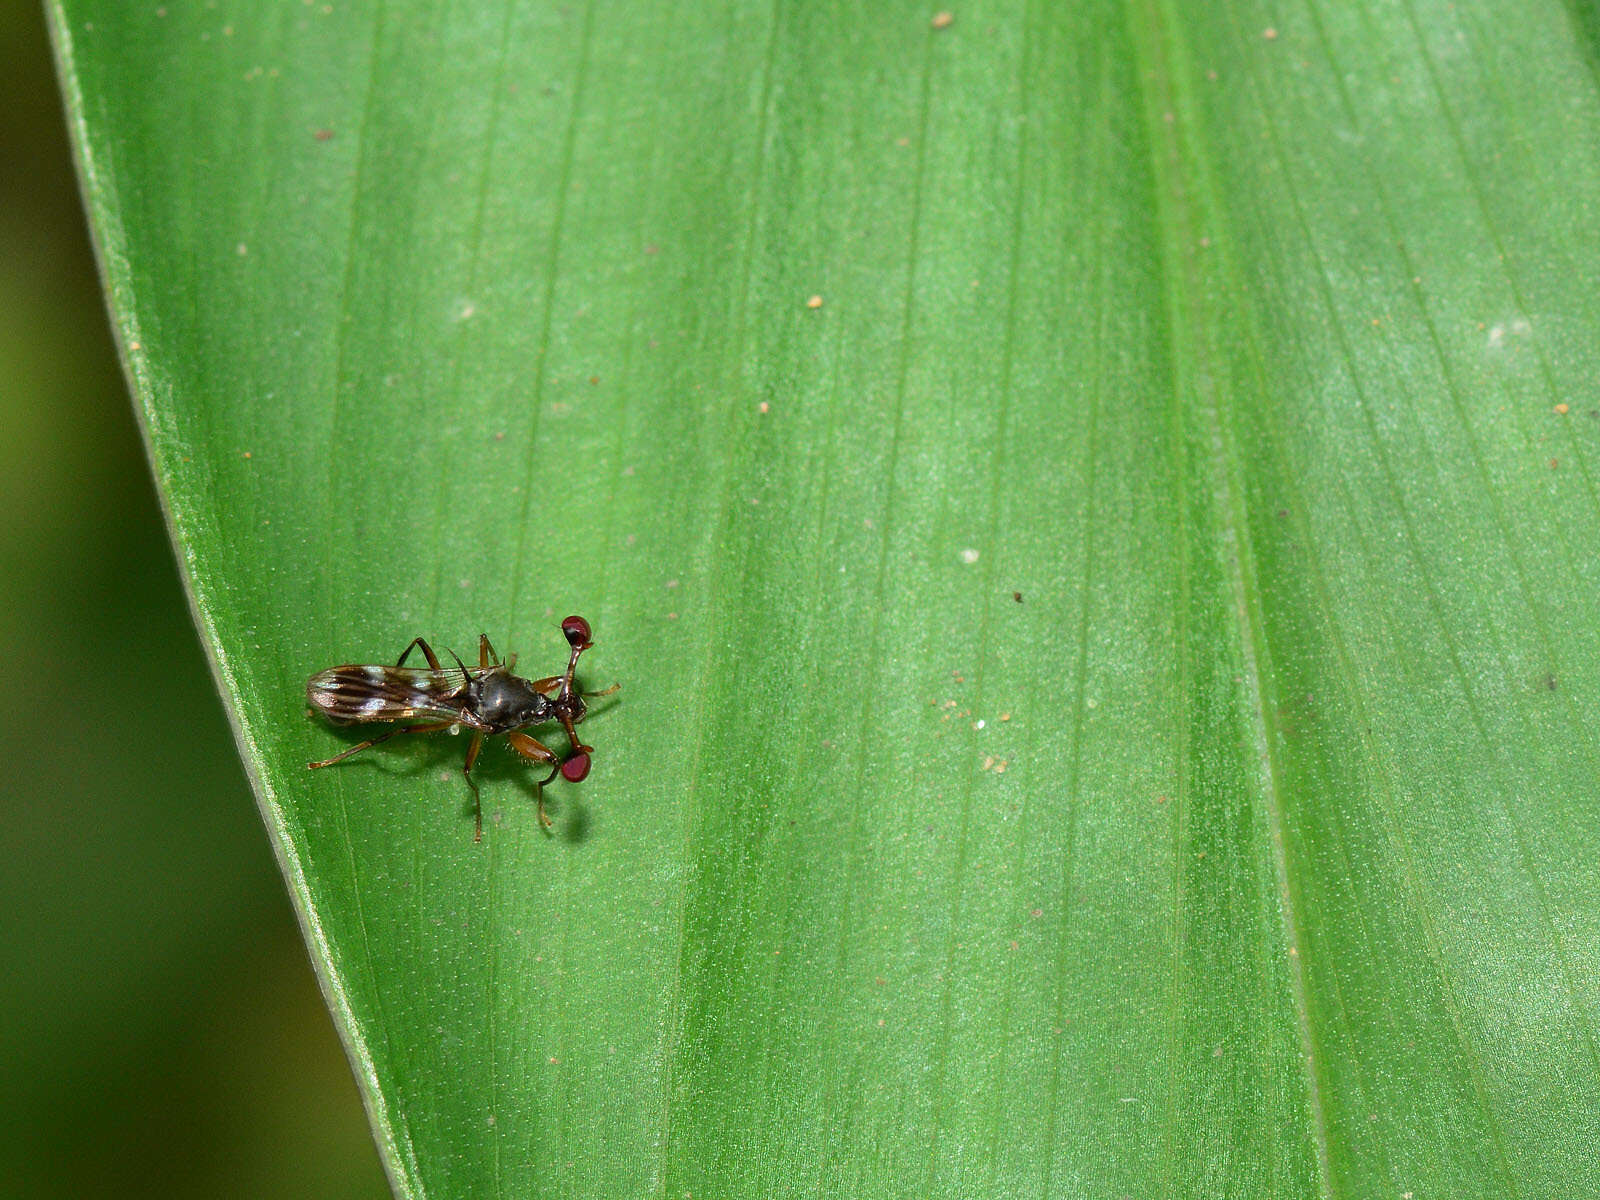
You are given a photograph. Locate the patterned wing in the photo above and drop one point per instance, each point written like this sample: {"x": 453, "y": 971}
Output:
{"x": 359, "y": 692}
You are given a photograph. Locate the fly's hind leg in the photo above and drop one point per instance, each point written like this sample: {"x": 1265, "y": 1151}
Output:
{"x": 433, "y": 659}
{"x": 477, "y": 801}
{"x": 427, "y": 653}
{"x": 535, "y": 751}
{"x": 432, "y": 727}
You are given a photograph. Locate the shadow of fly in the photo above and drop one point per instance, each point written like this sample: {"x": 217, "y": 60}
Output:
{"x": 487, "y": 699}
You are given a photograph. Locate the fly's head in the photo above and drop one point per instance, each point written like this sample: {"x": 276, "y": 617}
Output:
{"x": 568, "y": 708}
{"x": 568, "y": 705}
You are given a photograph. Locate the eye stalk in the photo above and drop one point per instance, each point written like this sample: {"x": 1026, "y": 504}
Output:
{"x": 577, "y": 631}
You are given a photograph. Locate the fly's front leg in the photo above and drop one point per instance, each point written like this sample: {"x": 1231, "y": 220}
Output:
{"x": 477, "y": 802}
{"x": 535, "y": 751}
{"x": 427, "y": 653}
{"x": 433, "y": 727}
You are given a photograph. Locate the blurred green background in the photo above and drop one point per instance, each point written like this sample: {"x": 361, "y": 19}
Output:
{"x": 162, "y": 1032}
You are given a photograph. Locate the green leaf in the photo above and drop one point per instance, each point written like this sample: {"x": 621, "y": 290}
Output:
{"x": 1109, "y": 685}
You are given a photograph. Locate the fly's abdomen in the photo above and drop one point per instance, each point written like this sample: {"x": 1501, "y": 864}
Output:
{"x": 373, "y": 693}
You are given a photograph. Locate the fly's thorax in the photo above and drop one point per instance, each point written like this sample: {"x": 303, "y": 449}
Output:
{"x": 506, "y": 701}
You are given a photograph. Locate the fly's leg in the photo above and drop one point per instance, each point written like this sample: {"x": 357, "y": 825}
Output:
{"x": 554, "y": 682}
{"x": 477, "y": 802}
{"x": 433, "y": 659}
{"x": 535, "y": 751}
{"x": 488, "y": 658}
{"x": 532, "y": 749}
{"x": 538, "y": 801}
{"x": 433, "y": 727}
{"x": 427, "y": 653}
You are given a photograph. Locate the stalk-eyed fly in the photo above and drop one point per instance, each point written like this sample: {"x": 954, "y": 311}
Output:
{"x": 487, "y": 699}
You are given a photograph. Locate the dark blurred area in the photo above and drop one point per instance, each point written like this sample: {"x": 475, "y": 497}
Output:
{"x": 161, "y": 1033}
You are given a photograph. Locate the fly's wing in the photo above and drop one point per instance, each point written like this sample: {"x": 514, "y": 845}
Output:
{"x": 371, "y": 693}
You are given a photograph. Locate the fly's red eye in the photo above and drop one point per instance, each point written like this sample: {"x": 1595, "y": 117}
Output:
{"x": 577, "y": 631}
{"x": 576, "y": 768}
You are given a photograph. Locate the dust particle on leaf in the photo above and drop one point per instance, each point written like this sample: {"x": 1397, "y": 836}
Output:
{"x": 814, "y": 302}
{"x": 943, "y": 20}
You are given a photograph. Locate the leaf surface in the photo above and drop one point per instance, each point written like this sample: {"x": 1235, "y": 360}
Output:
{"x": 1092, "y": 508}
